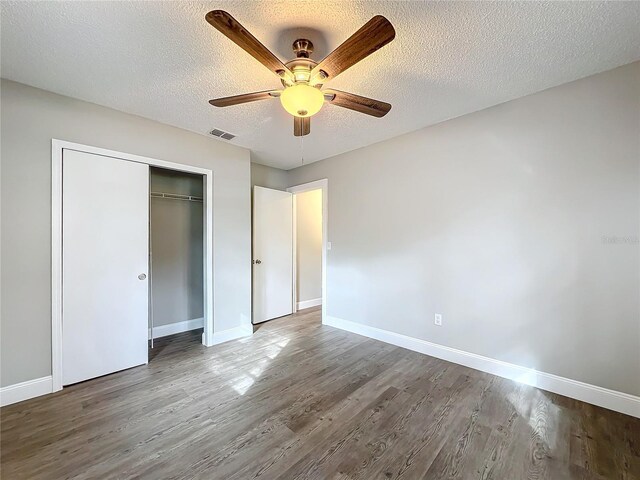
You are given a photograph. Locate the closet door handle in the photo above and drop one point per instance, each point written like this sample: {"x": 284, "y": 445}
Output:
{"x": 142, "y": 276}
{"x": 258, "y": 262}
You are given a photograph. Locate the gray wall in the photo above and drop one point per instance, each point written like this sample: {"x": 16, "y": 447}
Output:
{"x": 30, "y": 118}
{"x": 309, "y": 245}
{"x": 268, "y": 177}
{"x": 176, "y": 248}
{"x": 503, "y": 221}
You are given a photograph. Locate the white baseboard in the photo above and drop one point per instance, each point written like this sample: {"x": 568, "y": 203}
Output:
{"x": 25, "y": 390}
{"x": 309, "y": 303}
{"x": 231, "y": 334}
{"x": 178, "y": 327}
{"x": 603, "y": 397}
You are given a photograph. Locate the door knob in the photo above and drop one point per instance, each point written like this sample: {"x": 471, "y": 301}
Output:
{"x": 142, "y": 276}
{"x": 258, "y": 262}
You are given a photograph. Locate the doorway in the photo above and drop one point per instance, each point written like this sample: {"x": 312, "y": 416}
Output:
{"x": 307, "y": 249}
{"x": 176, "y": 253}
{"x": 323, "y": 186}
{"x": 289, "y": 273}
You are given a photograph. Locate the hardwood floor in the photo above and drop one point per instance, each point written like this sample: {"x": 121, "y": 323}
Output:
{"x": 302, "y": 400}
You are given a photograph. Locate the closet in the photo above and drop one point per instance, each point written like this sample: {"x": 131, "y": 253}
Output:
{"x": 131, "y": 261}
{"x": 176, "y": 252}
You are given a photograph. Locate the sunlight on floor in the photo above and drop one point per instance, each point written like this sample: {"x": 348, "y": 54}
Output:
{"x": 539, "y": 411}
{"x": 242, "y": 383}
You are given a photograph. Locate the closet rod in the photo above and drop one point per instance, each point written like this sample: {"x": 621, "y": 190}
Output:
{"x": 176, "y": 196}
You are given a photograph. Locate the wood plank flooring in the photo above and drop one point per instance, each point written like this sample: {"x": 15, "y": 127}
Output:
{"x": 307, "y": 401}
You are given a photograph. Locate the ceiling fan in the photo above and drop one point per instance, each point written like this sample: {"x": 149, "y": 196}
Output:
{"x": 302, "y": 77}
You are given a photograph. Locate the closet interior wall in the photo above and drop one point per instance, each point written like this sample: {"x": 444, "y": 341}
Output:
{"x": 176, "y": 246}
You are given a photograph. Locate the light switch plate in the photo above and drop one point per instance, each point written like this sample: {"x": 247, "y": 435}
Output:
{"x": 438, "y": 319}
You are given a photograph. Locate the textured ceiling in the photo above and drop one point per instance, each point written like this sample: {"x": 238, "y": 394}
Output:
{"x": 161, "y": 60}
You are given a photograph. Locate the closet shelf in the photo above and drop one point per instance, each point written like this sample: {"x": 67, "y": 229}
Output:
{"x": 176, "y": 196}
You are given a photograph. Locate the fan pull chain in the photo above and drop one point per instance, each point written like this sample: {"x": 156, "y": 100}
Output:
{"x": 302, "y": 149}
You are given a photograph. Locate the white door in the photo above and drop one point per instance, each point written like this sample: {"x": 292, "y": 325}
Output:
{"x": 272, "y": 254}
{"x": 105, "y": 247}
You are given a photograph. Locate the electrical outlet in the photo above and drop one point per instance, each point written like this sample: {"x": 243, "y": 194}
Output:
{"x": 438, "y": 319}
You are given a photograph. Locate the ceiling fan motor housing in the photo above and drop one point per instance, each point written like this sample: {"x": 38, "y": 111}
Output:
{"x": 302, "y": 65}
{"x": 301, "y": 69}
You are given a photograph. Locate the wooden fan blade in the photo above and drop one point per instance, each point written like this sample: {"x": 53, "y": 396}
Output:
{"x": 244, "y": 98}
{"x": 373, "y": 35}
{"x": 357, "y": 102}
{"x": 301, "y": 126}
{"x": 231, "y": 28}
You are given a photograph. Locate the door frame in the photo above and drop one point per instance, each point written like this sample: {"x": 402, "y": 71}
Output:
{"x": 57, "y": 147}
{"x": 323, "y": 185}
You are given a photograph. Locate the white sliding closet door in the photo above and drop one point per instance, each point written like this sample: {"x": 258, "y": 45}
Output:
{"x": 105, "y": 247}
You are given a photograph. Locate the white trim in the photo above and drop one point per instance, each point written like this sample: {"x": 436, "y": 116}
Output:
{"x": 324, "y": 186}
{"x": 25, "y": 390}
{"x": 57, "y": 147}
{"x": 603, "y": 397}
{"x": 294, "y": 254}
{"x": 56, "y": 265}
{"x": 232, "y": 334}
{"x": 309, "y": 303}
{"x": 207, "y": 208}
{"x": 160, "y": 331}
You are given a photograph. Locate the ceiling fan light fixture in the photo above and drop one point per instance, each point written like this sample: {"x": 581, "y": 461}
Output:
{"x": 302, "y": 100}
